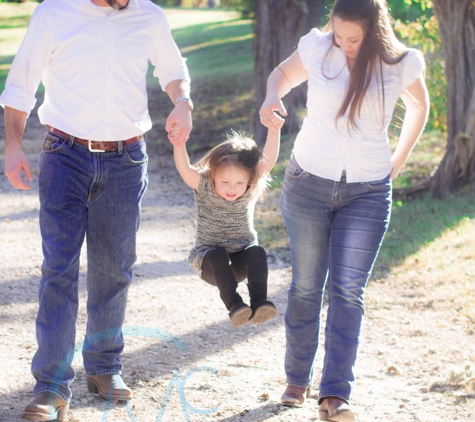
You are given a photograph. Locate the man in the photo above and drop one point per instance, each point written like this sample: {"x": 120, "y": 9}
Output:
{"x": 92, "y": 56}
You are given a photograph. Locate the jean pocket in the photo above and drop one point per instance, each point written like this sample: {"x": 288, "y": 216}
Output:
{"x": 52, "y": 143}
{"x": 379, "y": 184}
{"x": 293, "y": 169}
{"x": 136, "y": 153}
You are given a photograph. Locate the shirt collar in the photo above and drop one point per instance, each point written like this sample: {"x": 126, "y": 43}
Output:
{"x": 81, "y": 3}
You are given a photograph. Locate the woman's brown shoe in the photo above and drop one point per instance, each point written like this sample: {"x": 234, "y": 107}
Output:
{"x": 294, "y": 395}
{"x": 109, "y": 387}
{"x": 46, "y": 406}
{"x": 335, "y": 409}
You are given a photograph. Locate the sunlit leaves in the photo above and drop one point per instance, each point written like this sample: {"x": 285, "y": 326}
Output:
{"x": 423, "y": 34}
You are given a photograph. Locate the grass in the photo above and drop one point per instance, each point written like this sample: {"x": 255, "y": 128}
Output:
{"x": 432, "y": 243}
{"x": 14, "y": 18}
{"x": 209, "y": 46}
{"x": 426, "y": 237}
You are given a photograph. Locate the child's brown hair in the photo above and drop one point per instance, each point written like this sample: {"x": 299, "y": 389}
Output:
{"x": 240, "y": 151}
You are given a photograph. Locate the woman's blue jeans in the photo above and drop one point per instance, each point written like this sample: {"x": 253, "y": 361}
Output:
{"x": 336, "y": 230}
{"x": 97, "y": 196}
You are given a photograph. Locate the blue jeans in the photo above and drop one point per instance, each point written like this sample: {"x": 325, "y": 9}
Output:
{"x": 97, "y": 196}
{"x": 336, "y": 230}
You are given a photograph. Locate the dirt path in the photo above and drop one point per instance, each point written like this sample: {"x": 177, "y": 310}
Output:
{"x": 183, "y": 359}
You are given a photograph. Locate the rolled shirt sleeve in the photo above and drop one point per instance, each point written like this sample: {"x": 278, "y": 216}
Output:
{"x": 169, "y": 64}
{"x": 27, "y": 68}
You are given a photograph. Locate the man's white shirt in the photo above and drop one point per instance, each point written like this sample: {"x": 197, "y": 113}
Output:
{"x": 93, "y": 65}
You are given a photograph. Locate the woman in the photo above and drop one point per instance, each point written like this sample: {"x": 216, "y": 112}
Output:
{"x": 336, "y": 198}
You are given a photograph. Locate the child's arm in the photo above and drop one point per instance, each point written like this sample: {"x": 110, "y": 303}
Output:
{"x": 188, "y": 173}
{"x": 272, "y": 146}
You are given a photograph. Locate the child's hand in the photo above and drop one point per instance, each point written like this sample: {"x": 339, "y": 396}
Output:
{"x": 275, "y": 122}
{"x": 175, "y": 137}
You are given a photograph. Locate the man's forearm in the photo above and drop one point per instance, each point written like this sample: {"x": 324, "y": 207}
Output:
{"x": 15, "y": 121}
{"x": 178, "y": 89}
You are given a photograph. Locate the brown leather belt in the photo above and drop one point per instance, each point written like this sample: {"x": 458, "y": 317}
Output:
{"x": 94, "y": 146}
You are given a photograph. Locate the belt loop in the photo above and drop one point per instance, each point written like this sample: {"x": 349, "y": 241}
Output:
{"x": 119, "y": 147}
{"x": 71, "y": 141}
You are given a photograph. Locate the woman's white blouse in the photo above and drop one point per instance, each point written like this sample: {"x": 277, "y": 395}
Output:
{"x": 325, "y": 146}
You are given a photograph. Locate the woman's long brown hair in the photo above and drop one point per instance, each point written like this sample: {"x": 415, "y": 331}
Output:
{"x": 379, "y": 45}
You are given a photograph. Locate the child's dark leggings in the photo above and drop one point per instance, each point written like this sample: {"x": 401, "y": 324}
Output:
{"x": 225, "y": 270}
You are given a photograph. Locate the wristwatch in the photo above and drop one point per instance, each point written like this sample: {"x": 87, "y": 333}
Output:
{"x": 186, "y": 100}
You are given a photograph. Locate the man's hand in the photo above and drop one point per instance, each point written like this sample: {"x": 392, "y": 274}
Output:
{"x": 179, "y": 124}
{"x": 16, "y": 163}
{"x": 15, "y": 160}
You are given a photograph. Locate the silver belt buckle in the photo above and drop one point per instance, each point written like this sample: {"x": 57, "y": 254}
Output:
{"x": 92, "y": 149}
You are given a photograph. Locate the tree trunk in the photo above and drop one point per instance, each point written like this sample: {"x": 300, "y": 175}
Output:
{"x": 278, "y": 26}
{"x": 457, "y": 32}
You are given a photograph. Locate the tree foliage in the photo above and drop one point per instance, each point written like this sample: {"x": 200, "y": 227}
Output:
{"x": 423, "y": 34}
{"x": 410, "y": 10}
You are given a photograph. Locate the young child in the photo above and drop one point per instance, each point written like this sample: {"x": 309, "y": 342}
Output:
{"x": 228, "y": 181}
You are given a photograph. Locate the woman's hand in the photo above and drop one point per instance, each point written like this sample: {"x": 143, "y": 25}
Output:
{"x": 395, "y": 169}
{"x": 282, "y": 79}
{"x": 268, "y": 113}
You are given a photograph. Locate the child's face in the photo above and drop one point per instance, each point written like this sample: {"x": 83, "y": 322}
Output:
{"x": 230, "y": 182}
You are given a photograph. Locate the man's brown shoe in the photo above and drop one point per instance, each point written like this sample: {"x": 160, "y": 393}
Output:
{"x": 109, "y": 387}
{"x": 335, "y": 409}
{"x": 46, "y": 406}
{"x": 294, "y": 395}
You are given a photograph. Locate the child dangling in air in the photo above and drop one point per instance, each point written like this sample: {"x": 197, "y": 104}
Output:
{"x": 228, "y": 181}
